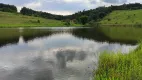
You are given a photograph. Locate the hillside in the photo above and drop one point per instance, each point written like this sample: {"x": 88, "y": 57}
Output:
{"x": 123, "y": 17}
{"x": 126, "y": 16}
{"x": 19, "y": 20}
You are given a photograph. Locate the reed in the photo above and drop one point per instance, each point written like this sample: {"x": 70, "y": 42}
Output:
{"x": 118, "y": 66}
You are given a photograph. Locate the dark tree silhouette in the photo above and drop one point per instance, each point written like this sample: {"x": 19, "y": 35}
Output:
{"x": 8, "y": 8}
{"x": 84, "y": 19}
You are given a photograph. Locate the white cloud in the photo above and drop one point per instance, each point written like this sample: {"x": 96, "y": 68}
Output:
{"x": 74, "y": 0}
{"x": 65, "y": 7}
{"x": 133, "y": 1}
{"x": 60, "y": 12}
{"x": 33, "y": 5}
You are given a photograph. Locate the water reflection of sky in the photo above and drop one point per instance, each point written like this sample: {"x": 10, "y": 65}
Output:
{"x": 56, "y": 57}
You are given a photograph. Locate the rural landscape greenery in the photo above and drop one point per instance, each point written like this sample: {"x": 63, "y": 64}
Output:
{"x": 116, "y": 22}
{"x": 126, "y": 14}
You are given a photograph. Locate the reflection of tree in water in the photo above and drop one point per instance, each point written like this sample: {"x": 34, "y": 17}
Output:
{"x": 69, "y": 55}
{"x": 44, "y": 75}
{"x": 45, "y": 71}
{"x": 61, "y": 59}
{"x": 81, "y": 55}
{"x": 12, "y": 35}
{"x": 97, "y": 34}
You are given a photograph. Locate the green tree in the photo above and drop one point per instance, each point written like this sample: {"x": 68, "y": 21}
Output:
{"x": 83, "y": 19}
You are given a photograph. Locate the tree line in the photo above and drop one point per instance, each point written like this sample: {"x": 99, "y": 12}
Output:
{"x": 100, "y": 12}
{"x": 30, "y": 12}
{"x": 8, "y": 8}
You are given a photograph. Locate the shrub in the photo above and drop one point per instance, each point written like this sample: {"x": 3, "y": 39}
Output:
{"x": 109, "y": 19}
{"x": 67, "y": 22}
{"x": 38, "y": 21}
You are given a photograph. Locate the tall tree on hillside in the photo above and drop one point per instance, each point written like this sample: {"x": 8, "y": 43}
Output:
{"x": 83, "y": 19}
{"x": 30, "y": 12}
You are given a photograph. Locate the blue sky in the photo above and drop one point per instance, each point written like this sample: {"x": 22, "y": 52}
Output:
{"x": 65, "y": 7}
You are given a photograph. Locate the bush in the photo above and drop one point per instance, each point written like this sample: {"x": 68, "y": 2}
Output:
{"x": 38, "y": 21}
{"x": 109, "y": 19}
{"x": 67, "y": 22}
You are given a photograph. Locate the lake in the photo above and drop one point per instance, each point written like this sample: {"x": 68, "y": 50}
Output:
{"x": 54, "y": 53}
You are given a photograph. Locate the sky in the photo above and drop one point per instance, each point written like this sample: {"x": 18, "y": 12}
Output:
{"x": 65, "y": 7}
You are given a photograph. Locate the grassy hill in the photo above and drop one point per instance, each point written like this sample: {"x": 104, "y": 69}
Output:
{"x": 123, "y": 17}
{"x": 18, "y": 20}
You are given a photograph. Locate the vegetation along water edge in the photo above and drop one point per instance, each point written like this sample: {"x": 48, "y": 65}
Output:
{"x": 120, "y": 66}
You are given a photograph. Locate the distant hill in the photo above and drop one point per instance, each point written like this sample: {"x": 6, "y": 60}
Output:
{"x": 18, "y": 20}
{"x": 123, "y": 17}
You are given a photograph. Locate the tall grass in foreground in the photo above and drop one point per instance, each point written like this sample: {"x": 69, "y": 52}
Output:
{"x": 120, "y": 66}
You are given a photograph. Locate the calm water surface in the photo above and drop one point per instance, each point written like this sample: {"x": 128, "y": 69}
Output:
{"x": 52, "y": 53}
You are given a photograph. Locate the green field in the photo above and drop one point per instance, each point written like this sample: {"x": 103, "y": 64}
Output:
{"x": 123, "y": 17}
{"x": 18, "y": 20}
{"x": 119, "y": 66}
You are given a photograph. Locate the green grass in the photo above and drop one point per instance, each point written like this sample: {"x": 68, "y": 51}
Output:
{"x": 123, "y": 17}
{"x": 119, "y": 66}
{"x": 18, "y": 20}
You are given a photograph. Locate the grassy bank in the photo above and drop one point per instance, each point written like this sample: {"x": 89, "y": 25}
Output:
{"x": 120, "y": 66}
{"x": 18, "y": 20}
{"x": 123, "y": 18}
